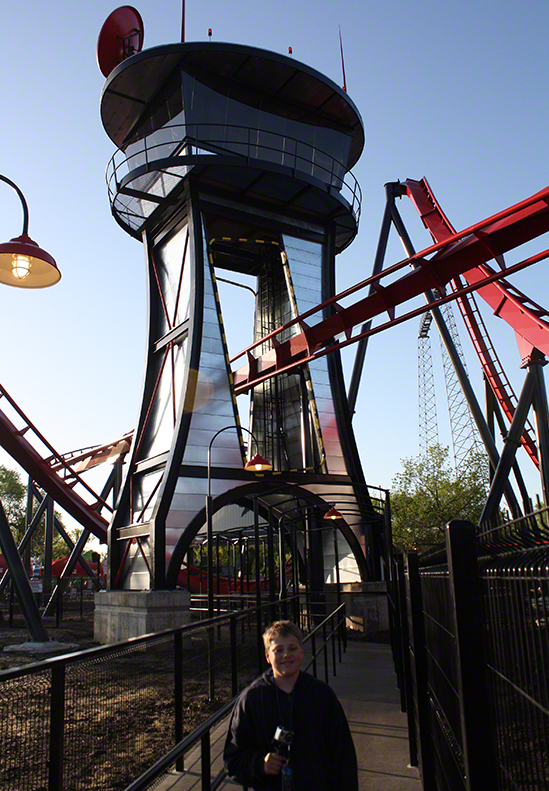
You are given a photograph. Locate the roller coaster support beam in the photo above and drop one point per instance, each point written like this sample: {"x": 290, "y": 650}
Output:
{"x": 542, "y": 418}
{"x": 493, "y": 410}
{"x": 512, "y": 442}
{"x": 461, "y": 374}
{"x": 21, "y": 582}
{"x": 392, "y": 190}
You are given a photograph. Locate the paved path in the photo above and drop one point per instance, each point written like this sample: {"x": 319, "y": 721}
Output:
{"x": 366, "y": 686}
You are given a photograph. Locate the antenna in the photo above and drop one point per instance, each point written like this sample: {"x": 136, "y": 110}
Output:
{"x": 182, "y": 20}
{"x": 342, "y": 61}
{"x": 121, "y": 36}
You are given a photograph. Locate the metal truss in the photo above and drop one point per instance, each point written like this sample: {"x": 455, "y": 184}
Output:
{"x": 428, "y": 423}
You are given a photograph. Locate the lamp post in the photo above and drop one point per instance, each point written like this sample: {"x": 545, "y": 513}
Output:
{"x": 24, "y": 265}
{"x": 256, "y": 464}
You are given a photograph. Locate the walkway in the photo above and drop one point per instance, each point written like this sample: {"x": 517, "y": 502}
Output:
{"x": 366, "y": 686}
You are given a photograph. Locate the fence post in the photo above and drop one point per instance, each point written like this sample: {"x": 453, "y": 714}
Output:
{"x": 396, "y": 636}
{"x": 234, "y": 668}
{"x": 178, "y": 693}
{"x": 419, "y": 653}
{"x": 325, "y": 653}
{"x": 211, "y": 663}
{"x": 57, "y": 722}
{"x": 406, "y": 692}
{"x": 205, "y": 762}
{"x": 476, "y": 726}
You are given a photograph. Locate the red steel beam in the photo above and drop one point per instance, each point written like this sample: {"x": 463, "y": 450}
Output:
{"x": 499, "y": 295}
{"x": 40, "y": 471}
{"x": 448, "y": 259}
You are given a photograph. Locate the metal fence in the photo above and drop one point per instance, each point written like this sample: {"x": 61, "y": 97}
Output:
{"x": 471, "y": 648}
{"x": 77, "y": 600}
{"x": 323, "y": 644}
{"x": 96, "y": 719}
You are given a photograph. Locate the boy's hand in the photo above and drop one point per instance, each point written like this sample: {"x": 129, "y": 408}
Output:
{"x": 273, "y": 763}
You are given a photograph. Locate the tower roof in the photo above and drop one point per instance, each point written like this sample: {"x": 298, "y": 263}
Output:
{"x": 259, "y": 78}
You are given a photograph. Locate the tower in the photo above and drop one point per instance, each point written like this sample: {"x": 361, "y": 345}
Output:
{"x": 231, "y": 157}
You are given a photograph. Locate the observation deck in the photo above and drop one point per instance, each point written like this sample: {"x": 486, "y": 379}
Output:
{"x": 252, "y": 125}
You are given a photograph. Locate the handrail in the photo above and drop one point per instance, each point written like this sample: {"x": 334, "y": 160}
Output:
{"x": 188, "y": 149}
{"x": 177, "y": 752}
{"x": 164, "y": 763}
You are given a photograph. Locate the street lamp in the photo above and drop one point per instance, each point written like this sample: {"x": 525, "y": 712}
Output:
{"x": 22, "y": 263}
{"x": 256, "y": 464}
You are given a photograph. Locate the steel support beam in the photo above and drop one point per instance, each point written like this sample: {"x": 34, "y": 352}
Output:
{"x": 21, "y": 582}
{"x": 512, "y": 442}
{"x": 461, "y": 373}
{"x": 542, "y": 420}
{"x": 392, "y": 190}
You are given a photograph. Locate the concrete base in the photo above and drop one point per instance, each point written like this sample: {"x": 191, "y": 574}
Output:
{"x": 366, "y": 606}
{"x": 51, "y": 647}
{"x": 120, "y": 615}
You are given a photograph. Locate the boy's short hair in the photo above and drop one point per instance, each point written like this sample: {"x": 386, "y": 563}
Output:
{"x": 281, "y": 629}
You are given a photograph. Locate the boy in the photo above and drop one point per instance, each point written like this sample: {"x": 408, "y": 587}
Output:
{"x": 288, "y": 731}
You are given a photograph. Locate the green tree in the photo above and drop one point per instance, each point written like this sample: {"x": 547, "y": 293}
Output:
{"x": 429, "y": 493}
{"x": 13, "y": 495}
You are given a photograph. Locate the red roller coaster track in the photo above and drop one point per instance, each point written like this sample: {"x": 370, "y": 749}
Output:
{"x": 464, "y": 253}
{"x": 505, "y": 300}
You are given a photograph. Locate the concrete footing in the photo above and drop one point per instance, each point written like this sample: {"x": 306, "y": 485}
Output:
{"x": 120, "y": 615}
{"x": 51, "y": 647}
{"x": 366, "y": 606}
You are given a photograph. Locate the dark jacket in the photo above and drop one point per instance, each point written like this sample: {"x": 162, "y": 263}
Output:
{"x": 322, "y": 754}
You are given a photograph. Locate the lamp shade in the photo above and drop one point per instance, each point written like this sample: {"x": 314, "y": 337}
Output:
{"x": 25, "y": 265}
{"x": 258, "y": 464}
{"x": 332, "y": 513}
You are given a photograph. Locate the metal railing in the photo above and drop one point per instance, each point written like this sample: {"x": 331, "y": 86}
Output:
{"x": 155, "y": 164}
{"x": 471, "y": 648}
{"x": 97, "y": 718}
{"x": 330, "y": 630}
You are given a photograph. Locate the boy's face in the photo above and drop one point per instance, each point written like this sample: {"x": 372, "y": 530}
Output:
{"x": 285, "y": 656}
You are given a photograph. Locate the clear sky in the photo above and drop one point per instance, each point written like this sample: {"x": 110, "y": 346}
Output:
{"x": 456, "y": 92}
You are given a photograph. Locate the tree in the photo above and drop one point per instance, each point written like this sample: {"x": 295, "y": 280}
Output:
{"x": 429, "y": 493}
{"x": 13, "y": 495}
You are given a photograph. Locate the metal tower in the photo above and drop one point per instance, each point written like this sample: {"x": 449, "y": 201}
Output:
{"x": 234, "y": 158}
{"x": 428, "y": 423}
{"x": 465, "y": 437}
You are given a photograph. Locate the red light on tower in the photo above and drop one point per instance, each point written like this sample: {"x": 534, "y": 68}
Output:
{"x": 210, "y": 33}
{"x": 290, "y": 51}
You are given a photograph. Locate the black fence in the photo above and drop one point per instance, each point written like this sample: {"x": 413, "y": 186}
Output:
{"x": 324, "y": 645}
{"x": 76, "y": 600}
{"x": 99, "y": 718}
{"x": 471, "y": 647}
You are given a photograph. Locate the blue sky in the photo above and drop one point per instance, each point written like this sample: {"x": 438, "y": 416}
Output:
{"x": 456, "y": 92}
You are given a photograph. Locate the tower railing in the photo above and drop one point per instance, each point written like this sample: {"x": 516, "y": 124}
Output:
{"x": 155, "y": 164}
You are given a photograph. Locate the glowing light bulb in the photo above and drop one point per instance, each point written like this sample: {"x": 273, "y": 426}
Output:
{"x": 21, "y": 266}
